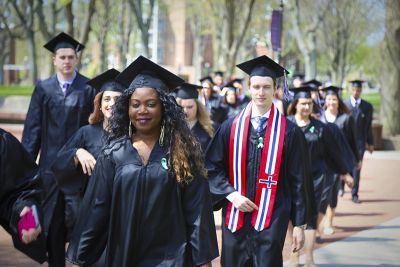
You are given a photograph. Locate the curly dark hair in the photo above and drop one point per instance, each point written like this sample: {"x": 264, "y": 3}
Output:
{"x": 182, "y": 149}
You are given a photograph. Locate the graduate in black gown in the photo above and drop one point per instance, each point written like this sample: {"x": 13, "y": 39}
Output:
{"x": 219, "y": 81}
{"x": 20, "y": 189}
{"x": 76, "y": 159}
{"x": 326, "y": 149}
{"x": 231, "y": 100}
{"x": 243, "y": 98}
{"x": 317, "y": 101}
{"x": 336, "y": 112}
{"x": 59, "y": 106}
{"x": 197, "y": 116}
{"x": 212, "y": 101}
{"x": 149, "y": 203}
{"x": 258, "y": 202}
{"x": 362, "y": 112}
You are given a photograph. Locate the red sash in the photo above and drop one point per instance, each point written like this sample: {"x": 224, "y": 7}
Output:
{"x": 269, "y": 168}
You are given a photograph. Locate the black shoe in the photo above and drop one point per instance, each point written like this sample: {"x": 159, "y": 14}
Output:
{"x": 356, "y": 200}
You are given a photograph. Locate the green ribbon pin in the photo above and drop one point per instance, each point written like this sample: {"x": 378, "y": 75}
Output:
{"x": 164, "y": 163}
{"x": 312, "y": 129}
{"x": 260, "y": 142}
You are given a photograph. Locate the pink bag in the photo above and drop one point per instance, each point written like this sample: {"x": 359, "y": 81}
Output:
{"x": 28, "y": 221}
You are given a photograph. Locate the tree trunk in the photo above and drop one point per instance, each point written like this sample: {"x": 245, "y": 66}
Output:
{"x": 198, "y": 47}
{"x": 390, "y": 73}
{"x": 32, "y": 54}
{"x": 70, "y": 18}
{"x": 103, "y": 37}
{"x": 87, "y": 27}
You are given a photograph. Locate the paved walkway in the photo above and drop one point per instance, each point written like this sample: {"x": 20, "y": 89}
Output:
{"x": 378, "y": 246}
{"x": 366, "y": 234}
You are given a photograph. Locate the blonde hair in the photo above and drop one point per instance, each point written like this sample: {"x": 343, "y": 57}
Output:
{"x": 204, "y": 118}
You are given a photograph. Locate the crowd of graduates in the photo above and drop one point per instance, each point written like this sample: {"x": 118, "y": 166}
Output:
{"x": 133, "y": 163}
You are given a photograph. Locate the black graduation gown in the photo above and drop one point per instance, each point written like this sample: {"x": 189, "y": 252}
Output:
{"x": 201, "y": 136}
{"x": 347, "y": 126}
{"x": 51, "y": 120}
{"x": 218, "y": 110}
{"x": 363, "y": 121}
{"x": 70, "y": 178}
{"x": 233, "y": 110}
{"x": 326, "y": 149}
{"x": 19, "y": 187}
{"x": 143, "y": 215}
{"x": 265, "y": 247}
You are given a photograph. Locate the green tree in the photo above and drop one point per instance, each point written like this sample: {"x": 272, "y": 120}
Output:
{"x": 390, "y": 70}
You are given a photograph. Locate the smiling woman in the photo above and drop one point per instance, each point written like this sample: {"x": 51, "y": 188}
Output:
{"x": 152, "y": 204}
{"x": 75, "y": 161}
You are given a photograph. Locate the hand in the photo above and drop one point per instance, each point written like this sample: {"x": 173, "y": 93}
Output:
{"x": 73, "y": 265}
{"x": 206, "y": 265}
{"x": 298, "y": 239}
{"x": 244, "y": 204}
{"x": 348, "y": 179}
{"x": 223, "y": 91}
{"x": 86, "y": 160}
{"x": 29, "y": 235}
{"x": 370, "y": 148}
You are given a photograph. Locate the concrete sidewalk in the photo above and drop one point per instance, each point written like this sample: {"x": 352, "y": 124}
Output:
{"x": 378, "y": 246}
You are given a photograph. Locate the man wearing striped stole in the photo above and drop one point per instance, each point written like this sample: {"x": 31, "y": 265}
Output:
{"x": 257, "y": 164}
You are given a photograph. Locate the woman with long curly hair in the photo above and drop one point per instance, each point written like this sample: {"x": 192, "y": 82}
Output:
{"x": 75, "y": 161}
{"x": 197, "y": 116}
{"x": 150, "y": 203}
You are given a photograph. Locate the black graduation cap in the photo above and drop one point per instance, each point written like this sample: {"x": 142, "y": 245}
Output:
{"x": 357, "y": 83}
{"x": 313, "y": 83}
{"x": 237, "y": 80}
{"x": 206, "y": 79}
{"x": 145, "y": 73}
{"x": 188, "y": 91}
{"x": 332, "y": 90}
{"x": 219, "y": 73}
{"x": 262, "y": 66}
{"x": 106, "y": 82}
{"x": 63, "y": 40}
{"x": 303, "y": 91}
{"x": 298, "y": 75}
{"x": 229, "y": 86}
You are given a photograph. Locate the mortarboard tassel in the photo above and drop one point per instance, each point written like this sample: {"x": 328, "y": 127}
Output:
{"x": 286, "y": 93}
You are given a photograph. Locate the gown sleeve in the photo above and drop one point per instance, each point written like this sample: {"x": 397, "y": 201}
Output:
{"x": 20, "y": 187}
{"x": 69, "y": 177}
{"x": 31, "y": 136}
{"x": 217, "y": 166}
{"x": 90, "y": 233}
{"x": 299, "y": 176}
{"x": 200, "y": 221}
{"x": 338, "y": 154}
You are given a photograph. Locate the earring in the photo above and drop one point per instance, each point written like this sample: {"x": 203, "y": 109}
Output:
{"x": 161, "y": 139}
{"x": 130, "y": 129}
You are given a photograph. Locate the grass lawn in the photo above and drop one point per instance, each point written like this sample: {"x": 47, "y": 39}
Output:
{"x": 12, "y": 90}
{"x": 373, "y": 98}
{"x": 16, "y": 90}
